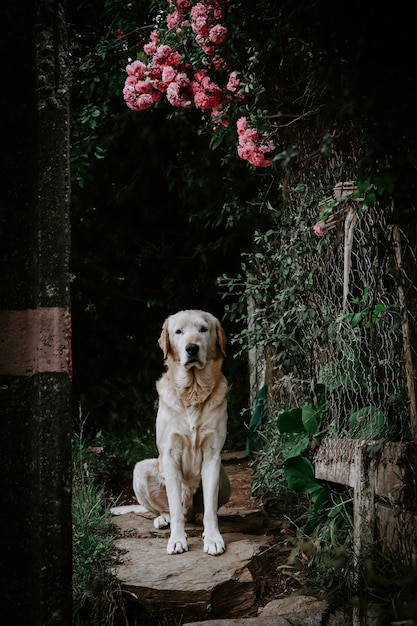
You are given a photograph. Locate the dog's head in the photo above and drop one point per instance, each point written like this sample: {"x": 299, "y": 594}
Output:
{"x": 192, "y": 338}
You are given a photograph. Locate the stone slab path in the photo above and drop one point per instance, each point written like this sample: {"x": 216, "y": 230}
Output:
{"x": 193, "y": 585}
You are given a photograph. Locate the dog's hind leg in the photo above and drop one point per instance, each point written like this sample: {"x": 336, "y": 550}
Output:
{"x": 150, "y": 491}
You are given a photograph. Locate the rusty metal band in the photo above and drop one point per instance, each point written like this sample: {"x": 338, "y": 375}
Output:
{"x": 35, "y": 341}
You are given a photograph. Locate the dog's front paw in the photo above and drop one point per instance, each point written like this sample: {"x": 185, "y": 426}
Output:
{"x": 177, "y": 544}
{"x": 162, "y": 521}
{"x": 214, "y": 543}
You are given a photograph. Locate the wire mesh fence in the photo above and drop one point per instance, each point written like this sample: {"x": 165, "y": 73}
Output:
{"x": 353, "y": 320}
{"x": 361, "y": 360}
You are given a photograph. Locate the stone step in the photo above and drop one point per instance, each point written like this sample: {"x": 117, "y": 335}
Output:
{"x": 193, "y": 583}
{"x": 190, "y": 583}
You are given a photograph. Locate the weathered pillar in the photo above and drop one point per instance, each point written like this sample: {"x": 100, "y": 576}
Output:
{"x": 405, "y": 241}
{"x": 35, "y": 355}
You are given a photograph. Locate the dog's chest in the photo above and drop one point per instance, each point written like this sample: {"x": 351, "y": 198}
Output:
{"x": 196, "y": 438}
{"x": 194, "y": 428}
{"x": 189, "y": 437}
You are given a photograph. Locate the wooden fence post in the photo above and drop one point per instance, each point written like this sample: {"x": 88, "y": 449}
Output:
{"x": 410, "y": 366}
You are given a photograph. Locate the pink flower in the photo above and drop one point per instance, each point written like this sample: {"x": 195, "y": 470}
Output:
{"x": 252, "y": 154}
{"x": 175, "y": 97}
{"x": 233, "y": 82}
{"x": 204, "y": 101}
{"x": 161, "y": 55}
{"x": 318, "y": 229}
{"x": 135, "y": 101}
{"x": 202, "y": 77}
{"x": 173, "y": 19}
{"x": 199, "y": 19}
{"x": 149, "y": 48}
{"x": 219, "y": 63}
{"x": 207, "y": 46}
{"x": 156, "y": 96}
{"x": 154, "y": 36}
{"x": 145, "y": 101}
{"x": 217, "y": 34}
{"x": 143, "y": 86}
{"x": 207, "y": 94}
{"x": 168, "y": 74}
{"x": 241, "y": 125}
{"x": 120, "y": 35}
{"x": 183, "y": 6}
{"x": 137, "y": 69}
{"x": 219, "y": 119}
{"x": 250, "y": 147}
{"x": 217, "y": 12}
{"x": 182, "y": 79}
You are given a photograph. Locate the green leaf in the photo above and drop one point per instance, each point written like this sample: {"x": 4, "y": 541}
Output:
{"x": 378, "y": 310}
{"x": 368, "y": 423}
{"x": 320, "y": 495}
{"x": 290, "y": 421}
{"x": 299, "y": 474}
{"x": 357, "y": 318}
{"x": 295, "y": 444}
{"x": 309, "y": 419}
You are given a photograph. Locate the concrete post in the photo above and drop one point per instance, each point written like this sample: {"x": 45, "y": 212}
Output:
{"x": 35, "y": 355}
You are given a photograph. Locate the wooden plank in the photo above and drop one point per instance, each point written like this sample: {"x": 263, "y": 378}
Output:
{"x": 395, "y": 470}
{"x": 396, "y": 474}
{"x": 396, "y": 531}
{"x": 335, "y": 461}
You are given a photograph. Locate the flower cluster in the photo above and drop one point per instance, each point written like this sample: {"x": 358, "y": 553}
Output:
{"x": 167, "y": 71}
{"x": 251, "y": 147}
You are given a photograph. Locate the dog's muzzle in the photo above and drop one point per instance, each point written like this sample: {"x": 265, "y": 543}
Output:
{"x": 192, "y": 350}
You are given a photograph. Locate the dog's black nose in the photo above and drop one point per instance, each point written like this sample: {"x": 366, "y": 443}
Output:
{"x": 192, "y": 349}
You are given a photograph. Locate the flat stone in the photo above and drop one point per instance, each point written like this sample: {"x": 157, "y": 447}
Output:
{"x": 294, "y": 610}
{"x": 139, "y": 523}
{"x": 296, "y": 605}
{"x": 192, "y": 582}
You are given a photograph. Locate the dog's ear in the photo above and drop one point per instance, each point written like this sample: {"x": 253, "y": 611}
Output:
{"x": 221, "y": 337}
{"x": 164, "y": 339}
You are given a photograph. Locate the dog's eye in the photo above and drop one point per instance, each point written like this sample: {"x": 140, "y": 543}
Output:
{"x": 203, "y": 329}
{"x": 178, "y": 331}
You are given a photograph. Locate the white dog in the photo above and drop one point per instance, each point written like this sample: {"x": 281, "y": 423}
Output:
{"x": 190, "y": 432}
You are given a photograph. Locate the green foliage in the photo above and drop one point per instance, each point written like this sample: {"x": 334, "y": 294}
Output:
{"x": 300, "y": 430}
{"x": 270, "y": 484}
{"x": 96, "y": 592}
{"x": 368, "y": 423}
{"x": 277, "y": 279}
{"x": 127, "y": 448}
{"x": 299, "y": 473}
